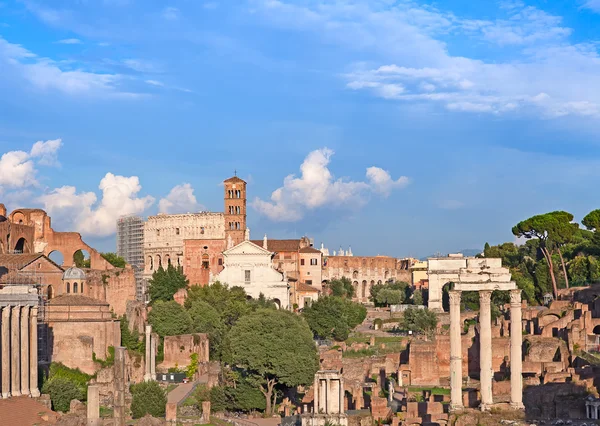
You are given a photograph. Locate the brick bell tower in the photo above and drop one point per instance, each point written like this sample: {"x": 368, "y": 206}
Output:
{"x": 235, "y": 209}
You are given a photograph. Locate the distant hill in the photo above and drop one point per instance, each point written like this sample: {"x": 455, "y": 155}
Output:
{"x": 465, "y": 252}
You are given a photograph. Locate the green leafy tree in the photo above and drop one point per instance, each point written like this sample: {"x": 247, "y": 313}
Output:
{"x": 341, "y": 288}
{"x": 245, "y": 397}
{"x": 592, "y": 222}
{"x": 274, "y": 347}
{"x": 80, "y": 260}
{"x": 230, "y": 303}
{"x": 419, "y": 320}
{"x": 334, "y": 317}
{"x": 114, "y": 259}
{"x": 417, "y": 297}
{"x": 539, "y": 227}
{"x": 130, "y": 339}
{"x": 165, "y": 282}
{"x": 169, "y": 319}
{"x": 206, "y": 319}
{"x": 388, "y": 297}
{"x": 148, "y": 398}
{"x": 62, "y": 391}
{"x": 561, "y": 231}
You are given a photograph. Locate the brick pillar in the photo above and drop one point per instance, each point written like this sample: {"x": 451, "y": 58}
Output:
{"x": 516, "y": 347}
{"x": 119, "y": 387}
{"x": 15, "y": 352}
{"x": 456, "y": 402}
{"x": 6, "y": 352}
{"x": 33, "y": 353}
{"x": 25, "y": 350}
{"x": 485, "y": 348}
{"x": 93, "y": 406}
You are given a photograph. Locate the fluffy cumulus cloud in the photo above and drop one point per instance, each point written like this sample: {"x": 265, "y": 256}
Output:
{"x": 18, "y": 168}
{"x": 316, "y": 187}
{"x": 83, "y": 213}
{"x": 401, "y": 54}
{"x": 181, "y": 199}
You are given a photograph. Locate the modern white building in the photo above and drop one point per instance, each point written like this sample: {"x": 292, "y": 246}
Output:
{"x": 250, "y": 266}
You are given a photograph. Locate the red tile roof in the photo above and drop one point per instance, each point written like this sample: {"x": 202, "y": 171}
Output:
{"x": 310, "y": 250}
{"x": 74, "y": 300}
{"x": 279, "y": 245}
{"x": 234, "y": 179}
{"x": 300, "y": 286}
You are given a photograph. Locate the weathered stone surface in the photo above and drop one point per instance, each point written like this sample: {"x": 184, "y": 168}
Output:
{"x": 77, "y": 407}
{"x": 148, "y": 420}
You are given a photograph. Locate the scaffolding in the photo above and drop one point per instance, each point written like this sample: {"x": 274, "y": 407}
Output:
{"x": 130, "y": 246}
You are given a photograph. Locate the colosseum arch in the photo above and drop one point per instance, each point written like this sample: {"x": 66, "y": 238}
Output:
{"x": 22, "y": 246}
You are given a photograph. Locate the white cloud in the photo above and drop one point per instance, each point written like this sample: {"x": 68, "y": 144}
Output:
{"x": 316, "y": 187}
{"x": 141, "y": 65}
{"x": 170, "y": 13}
{"x": 181, "y": 199}
{"x": 46, "y": 74}
{"x": 154, "y": 83}
{"x": 18, "y": 168}
{"x": 47, "y": 152}
{"x": 593, "y": 5}
{"x": 70, "y": 41}
{"x": 81, "y": 211}
{"x": 403, "y": 56}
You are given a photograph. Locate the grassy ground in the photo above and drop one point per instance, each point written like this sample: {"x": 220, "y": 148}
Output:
{"x": 434, "y": 390}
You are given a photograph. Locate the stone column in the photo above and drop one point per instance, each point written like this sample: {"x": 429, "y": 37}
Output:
{"x": 342, "y": 395}
{"x": 25, "y": 350}
{"x": 324, "y": 396}
{"x": 93, "y": 405}
{"x": 485, "y": 348}
{"x": 316, "y": 396}
{"x": 516, "y": 347}
{"x": 15, "y": 352}
{"x": 153, "y": 349}
{"x": 148, "y": 376}
{"x": 119, "y": 387}
{"x": 6, "y": 352}
{"x": 456, "y": 401}
{"x": 33, "y": 353}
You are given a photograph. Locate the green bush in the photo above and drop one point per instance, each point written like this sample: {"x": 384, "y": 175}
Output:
{"x": 148, "y": 398}
{"x": 62, "y": 391}
{"x": 109, "y": 361}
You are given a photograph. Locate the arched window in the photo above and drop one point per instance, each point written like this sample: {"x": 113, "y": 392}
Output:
{"x": 68, "y": 287}
{"x": 81, "y": 290}
{"x": 74, "y": 287}
{"x": 50, "y": 292}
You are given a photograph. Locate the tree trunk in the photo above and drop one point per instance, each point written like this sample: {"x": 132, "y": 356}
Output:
{"x": 268, "y": 393}
{"x": 546, "y": 254}
{"x": 563, "y": 267}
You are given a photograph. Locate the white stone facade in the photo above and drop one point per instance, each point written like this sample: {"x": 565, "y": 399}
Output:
{"x": 164, "y": 235}
{"x": 250, "y": 266}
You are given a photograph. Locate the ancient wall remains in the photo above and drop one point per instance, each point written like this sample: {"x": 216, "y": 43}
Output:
{"x": 178, "y": 349}
{"x": 203, "y": 259}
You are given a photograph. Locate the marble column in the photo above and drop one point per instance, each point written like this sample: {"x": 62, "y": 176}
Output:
{"x": 119, "y": 387}
{"x": 342, "y": 395}
{"x": 153, "y": 350}
{"x": 6, "y": 352}
{"x": 456, "y": 401}
{"x": 15, "y": 352}
{"x": 147, "y": 376}
{"x": 516, "y": 347}
{"x": 316, "y": 396}
{"x": 485, "y": 348}
{"x": 324, "y": 396}
{"x": 33, "y": 353}
{"x": 25, "y": 350}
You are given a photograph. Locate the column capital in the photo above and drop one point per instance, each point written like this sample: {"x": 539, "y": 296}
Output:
{"x": 454, "y": 296}
{"x": 515, "y": 297}
{"x": 485, "y": 297}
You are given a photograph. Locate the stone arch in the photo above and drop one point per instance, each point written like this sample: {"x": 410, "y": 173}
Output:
{"x": 167, "y": 260}
{"x": 355, "y": 274}
{"x": 277, "y": 303}
{"x": 386, "y": 274}
{"x": 356, "y": 289}
{"x": 597, "y": 329}
{"x": 68, "y": 287}
{"x": 150, "y": 263}
{"x": 57, "y": 257}
{"x": 22, "y": 246}
{"x": 379, "y": 282}
{"x": 205, "y": 261}
{"x": 364, "y": 288}
{"x": 81, "y": 258}
{"x": 50, "y": 292}
{"x": 157, "y": 261}
{"x": 75, "y": 287}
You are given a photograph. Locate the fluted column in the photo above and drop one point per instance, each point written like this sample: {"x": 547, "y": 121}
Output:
{"x": 147, "y": 376}
{"x": 456, "y": 401}
{"x": 33, "y": 353}
{"x": 25, "y": 350}
{"x": 485, "y": 348}
{"x": 15, "y": 352}
{"x": 516, "y": 347}
{"x": 6, "y": 352}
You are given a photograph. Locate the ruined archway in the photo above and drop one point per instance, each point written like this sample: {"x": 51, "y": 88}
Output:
{"x": 158, "y": 262}
{"x": 81, "y": 259}
{"x": 277, "y": 303}
{"x": 57, "y": 257}
{"x": 22, "y": 246}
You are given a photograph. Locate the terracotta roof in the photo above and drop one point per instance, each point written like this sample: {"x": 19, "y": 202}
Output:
{"x": 75, "y": 299}
{"x": 14, "y": 277}
{"x": 234, "y": 179}
{"x": 310, "y": 250}
{"x": 18, "y": 261}
{"x": 306, "y": 288}
{"x": 279, "y": 245}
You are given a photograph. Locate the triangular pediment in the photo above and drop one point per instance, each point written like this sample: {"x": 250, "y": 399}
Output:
{"x": 247, "y": 247}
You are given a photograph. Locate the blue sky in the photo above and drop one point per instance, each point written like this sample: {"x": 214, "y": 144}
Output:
{"x": 410, "y": 127}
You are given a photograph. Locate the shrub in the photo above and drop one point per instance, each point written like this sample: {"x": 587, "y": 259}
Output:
{"x": 148, "y": 398}
{"x": 109, "y": 361}
{"x": 62, "y": 391}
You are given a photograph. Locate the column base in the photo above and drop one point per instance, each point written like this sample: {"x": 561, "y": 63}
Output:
{"x": 485, "y": 407}
{"x": 517, "y": 406}
{"x": 25, "y": 393}
{"x": 17, "y": 393}
{"x": 35, "y": 393}
{"x": 456, "y": 407}
{"x": 6, "y": 395}
{"x": 147, "y": 377}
